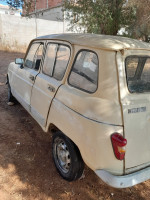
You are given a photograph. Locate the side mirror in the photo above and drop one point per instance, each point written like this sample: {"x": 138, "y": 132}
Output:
{"x": 19, "y": 61}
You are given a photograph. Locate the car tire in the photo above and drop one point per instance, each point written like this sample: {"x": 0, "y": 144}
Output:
{"x": 11, "y": 98}
{"x": 67, "y": 158}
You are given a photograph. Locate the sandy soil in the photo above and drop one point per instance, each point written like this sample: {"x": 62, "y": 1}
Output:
{"x": 27, "y": 171}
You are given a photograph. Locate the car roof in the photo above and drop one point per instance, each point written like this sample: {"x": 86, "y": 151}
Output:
{"x": 99, "y": 41}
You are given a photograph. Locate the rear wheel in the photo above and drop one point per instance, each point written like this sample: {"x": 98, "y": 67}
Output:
{"x": 67, "y": 157}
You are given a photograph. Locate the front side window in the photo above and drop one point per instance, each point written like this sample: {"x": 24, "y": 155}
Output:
{"x": 34, "y": 56}
{"x": 56, "y": 60}
{"x": 38, "y": 57}
{"x": 84, "y": 74}
{"x": 138, "y": 73}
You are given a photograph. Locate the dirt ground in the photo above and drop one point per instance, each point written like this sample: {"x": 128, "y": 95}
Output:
{"x": 27, "y": 171}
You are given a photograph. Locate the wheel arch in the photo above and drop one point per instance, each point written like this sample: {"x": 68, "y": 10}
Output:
{"x": 7, "y": 79}
{"x": 53, "y": 129}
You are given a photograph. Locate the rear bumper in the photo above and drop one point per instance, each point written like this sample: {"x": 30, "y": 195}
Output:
{"x": 125, "y": 180}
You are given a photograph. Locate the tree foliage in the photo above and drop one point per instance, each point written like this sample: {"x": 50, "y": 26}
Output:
{"x": 15, "y": 3}
{"x": 141, "y": 27}
{"x": 27, "y": 5}
{"x": 99, "y": 16}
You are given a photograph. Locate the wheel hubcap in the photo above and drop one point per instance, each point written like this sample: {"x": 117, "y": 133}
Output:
{"x": 62, "y": 155}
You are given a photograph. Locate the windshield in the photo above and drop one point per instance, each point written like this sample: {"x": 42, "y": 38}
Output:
{"x": 138, "y": 73}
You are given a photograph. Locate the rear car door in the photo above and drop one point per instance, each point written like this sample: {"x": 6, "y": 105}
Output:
{"x": 25, "y": 75}
{"x": 50, "y": 78}
{"x": 134, "y": 77}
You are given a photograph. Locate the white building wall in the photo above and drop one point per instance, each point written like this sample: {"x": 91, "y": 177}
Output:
{"x": 16, "y": 32}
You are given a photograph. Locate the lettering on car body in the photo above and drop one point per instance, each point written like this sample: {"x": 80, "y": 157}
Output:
{"x": 136, "y": 110}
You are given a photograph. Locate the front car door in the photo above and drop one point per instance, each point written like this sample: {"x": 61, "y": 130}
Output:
{"x": 50, "y": 78}
{"x": 24, "y": 76}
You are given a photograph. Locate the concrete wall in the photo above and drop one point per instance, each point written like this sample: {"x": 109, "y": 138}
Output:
{"x": 54, "y": 14}
{"x": 16, "y": 32}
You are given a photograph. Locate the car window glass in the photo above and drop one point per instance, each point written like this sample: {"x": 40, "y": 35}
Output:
{"x": 31, "y": 54}
{"x": 38, "y": 57}
{"x": 145, "y": 76}
{"x": 138, "y": 74}
{"x": 50, "y": 58}
{"x": 63, "y": 55}
{"x": 84, "y": 74}
{"x": 132, "y": 65}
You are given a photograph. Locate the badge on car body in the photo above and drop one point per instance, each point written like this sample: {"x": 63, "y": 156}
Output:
{"x": 136, "y": 110}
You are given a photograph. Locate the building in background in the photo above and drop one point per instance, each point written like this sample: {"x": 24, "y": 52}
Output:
{"x": 45, "y": 17}
{"x": 47, "y": 9}
{"x": 4, "y": 9}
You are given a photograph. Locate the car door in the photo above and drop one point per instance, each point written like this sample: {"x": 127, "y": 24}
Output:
{"x": 49, "y": 79}
{"x": 25, "y": 75}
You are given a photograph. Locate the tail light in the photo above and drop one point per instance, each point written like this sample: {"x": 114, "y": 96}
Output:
{"x": 118, "y": 143}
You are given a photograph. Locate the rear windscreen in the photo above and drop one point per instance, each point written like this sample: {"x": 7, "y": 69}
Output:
{"x": 138, "y": 73}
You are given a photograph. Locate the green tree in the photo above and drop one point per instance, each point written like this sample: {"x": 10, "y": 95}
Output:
{"x": 99, "y": 16}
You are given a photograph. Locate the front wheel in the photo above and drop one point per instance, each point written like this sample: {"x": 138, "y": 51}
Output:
{"x": 67, "y": 157}
{"x": 11, "y": 99}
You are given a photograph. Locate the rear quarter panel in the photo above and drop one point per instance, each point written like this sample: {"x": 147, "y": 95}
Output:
{"x": 92, "y": 138}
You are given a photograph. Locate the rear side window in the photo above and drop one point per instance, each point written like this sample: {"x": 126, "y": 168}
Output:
{"x": 138, "y": 73}
{"x": 50, "y": 59}
{"x": 63, "y": 55}
{"x": 56, "y": 60}
{"x": 84, "y": 73}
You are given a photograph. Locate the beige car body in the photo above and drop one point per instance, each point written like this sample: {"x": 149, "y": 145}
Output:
{"x": 89, "y": 119}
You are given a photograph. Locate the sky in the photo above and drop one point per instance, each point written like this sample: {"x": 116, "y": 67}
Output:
{"x": 3, "y": 2}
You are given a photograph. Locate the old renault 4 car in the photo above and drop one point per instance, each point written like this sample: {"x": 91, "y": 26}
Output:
{"x": 93, "y": 92}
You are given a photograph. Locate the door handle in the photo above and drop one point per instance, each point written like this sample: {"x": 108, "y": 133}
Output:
{"x": 51, "y": 88}
{"x": 32, "y": 77}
